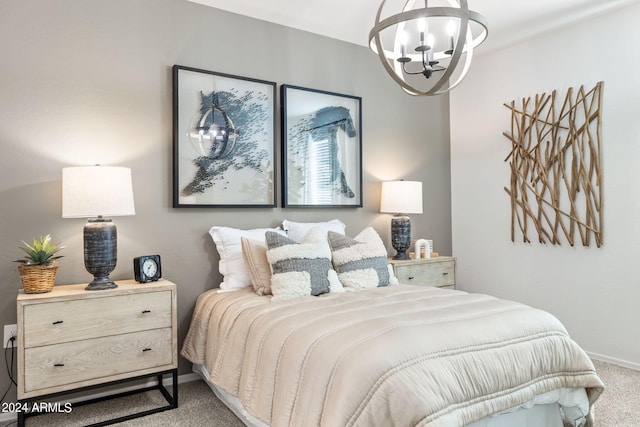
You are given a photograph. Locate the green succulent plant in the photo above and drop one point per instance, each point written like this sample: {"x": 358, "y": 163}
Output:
{"x": 40, "y": 252}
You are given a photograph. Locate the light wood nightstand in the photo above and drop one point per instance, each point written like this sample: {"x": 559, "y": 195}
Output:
{"x": 439, "y": 271}
{"x": 73, "y": 340}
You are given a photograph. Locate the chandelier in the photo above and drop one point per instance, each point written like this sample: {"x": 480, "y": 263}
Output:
{"x": 427, "y": 50}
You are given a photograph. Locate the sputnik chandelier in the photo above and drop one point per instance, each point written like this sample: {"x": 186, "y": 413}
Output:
{"x": 422, "y": 47}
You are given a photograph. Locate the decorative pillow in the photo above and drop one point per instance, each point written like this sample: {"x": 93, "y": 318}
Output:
{"x": 297, "y": 230}
{"x": 255, "y": 258}
{"x": 231, "y": 266}
{"x": 301, "y": 269}
{"x": 361, "y": 262}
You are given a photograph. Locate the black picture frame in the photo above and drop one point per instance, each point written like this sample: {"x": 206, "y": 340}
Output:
{"x": 209, "y": 169}
{"x": 321, "y": 148}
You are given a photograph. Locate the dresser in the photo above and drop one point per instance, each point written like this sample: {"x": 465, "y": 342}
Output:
{"x": 439, "y": 271}
{"x": 71, "y": 339}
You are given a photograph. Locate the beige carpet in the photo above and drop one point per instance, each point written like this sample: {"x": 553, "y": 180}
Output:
{"x": 619, "y": 406}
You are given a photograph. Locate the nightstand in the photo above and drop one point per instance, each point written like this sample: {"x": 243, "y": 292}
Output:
{"x": 72, "y": 340}
{"x": 439, "y": 271}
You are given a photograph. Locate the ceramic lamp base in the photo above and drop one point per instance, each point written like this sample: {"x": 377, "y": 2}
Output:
{"x": 401, "y": 236}
{"x": 100, "y": 252}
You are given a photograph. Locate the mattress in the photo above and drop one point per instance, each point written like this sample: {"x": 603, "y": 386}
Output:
{"x": 400, "y": 355}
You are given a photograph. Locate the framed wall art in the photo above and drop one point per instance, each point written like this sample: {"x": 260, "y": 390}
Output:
{"x": 223, "y": 140}
{"x": 322, "y": 148}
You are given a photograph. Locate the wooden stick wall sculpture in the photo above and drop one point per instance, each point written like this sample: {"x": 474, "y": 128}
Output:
{"x": 556, "y": 167}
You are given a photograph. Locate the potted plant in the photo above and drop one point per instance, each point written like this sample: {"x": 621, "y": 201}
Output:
{"x": 38, "y": 268}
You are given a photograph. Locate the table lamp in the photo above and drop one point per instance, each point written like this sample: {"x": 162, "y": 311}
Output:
{"x": 96, "y": 192}
{"x": 401, "y": 198}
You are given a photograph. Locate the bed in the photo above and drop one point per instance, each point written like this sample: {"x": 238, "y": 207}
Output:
{"x": 396, "y": 355}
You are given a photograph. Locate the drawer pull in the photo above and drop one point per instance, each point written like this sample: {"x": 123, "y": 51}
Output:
{"x": 411, "y": 278}
{"x": 445, "y": 273}
{"x": 146, "y": 311}
{"x": 58, "y": 364}
{"x": 146, "y": 349}
{"x": 58, "y": 322}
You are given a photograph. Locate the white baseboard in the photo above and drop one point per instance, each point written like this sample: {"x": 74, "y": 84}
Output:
{"x": 614, "y": 361}
{"x": 11, "y": 416}
{"x": 187, "y": 378}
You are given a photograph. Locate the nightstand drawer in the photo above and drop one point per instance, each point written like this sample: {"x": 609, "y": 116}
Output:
{"x": 436, "y": 273}
{"x": 74, "y": 362}
{"x": 73, "y": 320}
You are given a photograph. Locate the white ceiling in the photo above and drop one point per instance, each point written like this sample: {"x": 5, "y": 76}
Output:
{"x": 351, "y": 20}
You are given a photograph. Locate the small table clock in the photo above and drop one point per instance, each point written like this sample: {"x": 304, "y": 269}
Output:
{"x": 146, "y": 268}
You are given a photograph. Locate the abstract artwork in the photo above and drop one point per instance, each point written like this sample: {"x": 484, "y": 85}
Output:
{"x": 223, "y": 140}
{"x": 556, "y": 167}
{"x": 321, "y": 144}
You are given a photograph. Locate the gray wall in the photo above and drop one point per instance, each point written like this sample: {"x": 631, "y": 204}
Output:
{"x": 87, "y": 81}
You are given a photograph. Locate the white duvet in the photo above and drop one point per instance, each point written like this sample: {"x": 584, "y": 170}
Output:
{"x": 393, "y": 356}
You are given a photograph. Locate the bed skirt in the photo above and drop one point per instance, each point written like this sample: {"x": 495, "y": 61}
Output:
{"x": 544, "y": 410}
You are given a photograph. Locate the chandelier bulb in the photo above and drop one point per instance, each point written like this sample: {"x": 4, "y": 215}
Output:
{"x": 422, "y": 25}
{"x": 451, "y": 28}
{"x": 431, "y": 40}
{"x": 403, "y": 44}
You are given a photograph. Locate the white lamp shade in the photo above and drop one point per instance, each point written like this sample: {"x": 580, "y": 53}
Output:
{"x": 92, "y": 191}
{"x": 401, "y": 197}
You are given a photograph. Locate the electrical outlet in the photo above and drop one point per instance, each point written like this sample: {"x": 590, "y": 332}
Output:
{"x": 9, "y": 331}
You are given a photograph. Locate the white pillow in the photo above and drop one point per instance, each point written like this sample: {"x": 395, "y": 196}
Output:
{"x": 297, "y": 230}
{"x": 229, "y": 246}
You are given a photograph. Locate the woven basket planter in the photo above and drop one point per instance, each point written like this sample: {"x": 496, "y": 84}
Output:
{"x": 37, "y": 279}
